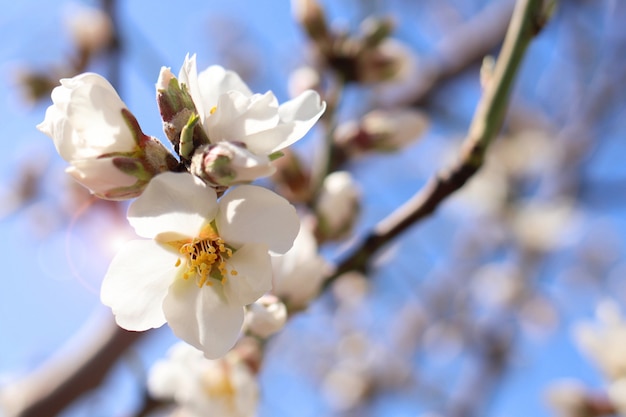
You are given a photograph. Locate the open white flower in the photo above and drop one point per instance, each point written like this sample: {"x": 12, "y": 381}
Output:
{"x": 205, "y": 261}
{"x": 225, "y": 387}
{"x": 93, "y": 130}
{"x": 299, "y": 273}
{"x": 229, "y": 111}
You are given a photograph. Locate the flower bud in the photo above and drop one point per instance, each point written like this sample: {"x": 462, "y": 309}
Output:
{"x": 384, "y": 62}
{"x": 382, "y": 130}
{"x": 292, "y": 180}
{"x": 91, "y": 28}
{"x": 298, "y": 274}
{"x": 94, "y": 131}
{"x": 337, "y": 206}
{"x": 229, "y": 163}
{"x": 177, "y": 109}
{"x": 310, "y": 15}
{"x": 266, "y": 316}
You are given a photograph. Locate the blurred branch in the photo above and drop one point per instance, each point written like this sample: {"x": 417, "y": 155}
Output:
{"x": 78, "y": 368}
{"x": 525, "y": 24}
{"x": 463, "y": 47}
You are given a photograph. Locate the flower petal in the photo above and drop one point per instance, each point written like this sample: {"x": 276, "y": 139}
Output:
{"x": 173, "y": 202}
{"x": 85, "y": 119}
{"x": 188, "y": 75}
{"x": 136, "y": 283}
{"x": 95, "y": 113}
{"x": 238, "y": 116}
{"x": 297, "y": 117}
{"x": 100, "y": 176}
{"x": 215, "y": 81}
{"x": 251, "y": 214}
{"x": 202, "y": 317}
{"x": 254, "y": 274}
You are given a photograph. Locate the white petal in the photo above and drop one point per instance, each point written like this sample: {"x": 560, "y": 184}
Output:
{"x": 95, "y": 114}
{"x": 238, "y": 116}
{"x": 188, "y": 75}
{"x": 251, "y": 214}
{"x": 215, "y": 81}
{"x": 297, "y": 117}
{"x": 202, "y": 317}
{"x": 85, "y": 119}
{"x": 137, "y": 282}
{"x": 173, "y": 202}
{"x": 99, "y": 175}
{"x": 254, "y": 274}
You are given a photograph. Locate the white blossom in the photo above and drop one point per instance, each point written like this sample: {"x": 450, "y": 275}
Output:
{"x": 93, "y": 130}
{"x": 337, "y": 205}
{"x": 225, "y": 387}
{"x": 229, "y": 111}
{"x": 266, "y": 316}
{"x": 91, "y": 28}
{"x": 205, "y": 260}
{"x": 298, "y": 274}
{"x": 604, "y": 341}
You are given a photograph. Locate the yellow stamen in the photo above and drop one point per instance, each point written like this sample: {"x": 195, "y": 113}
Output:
{"x": 213, "y": 109}
{"x": 205, "y": 257}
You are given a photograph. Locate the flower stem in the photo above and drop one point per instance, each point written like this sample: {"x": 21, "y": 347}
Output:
{"x": 525, "y": 23}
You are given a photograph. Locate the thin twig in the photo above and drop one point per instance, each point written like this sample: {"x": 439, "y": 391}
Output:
{"x": 487, "y": 121}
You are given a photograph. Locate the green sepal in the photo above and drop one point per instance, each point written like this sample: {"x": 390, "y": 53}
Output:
{"x": 275, "y": 155}
{"x": 132, "y": 166}
{"x": 186, "y": 137}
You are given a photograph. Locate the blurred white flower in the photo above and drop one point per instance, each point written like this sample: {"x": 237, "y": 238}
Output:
{"x": 265, "y": 316}
{"x": 225, "y": 387}
{"x": 567, "y": 398}
{"x": 93, "y": 130}
{"x": 617, "y": 395}
{"x": 337, "y": 205}
{"x": 604, "y": 341}
{"x": 543, "y": 225}
{"x": 90, "y": 28}
{"x": 382, "y": 130}
{"x": 205, "y": 261}
{"x": 298, "y": 274}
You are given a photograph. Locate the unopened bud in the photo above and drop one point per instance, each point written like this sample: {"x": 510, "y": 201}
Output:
{"x": 310, "y": 15}
{"x": 91, "y": 28}
{"x": 337, "y": 206}
{"x": 382, "y": 130}
{"x": 177, "y": 109}
{"x": 228, "y": 163}
{"x": 108, "y": 154}
{"x": 292, "y": 179}
{"x": 266, "y": 316}
{"x": 384, "y": 62}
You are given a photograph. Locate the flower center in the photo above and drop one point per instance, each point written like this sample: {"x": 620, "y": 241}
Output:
{"x": 205, "y": 257}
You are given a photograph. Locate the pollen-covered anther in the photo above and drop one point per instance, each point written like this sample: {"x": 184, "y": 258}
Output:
{"x": 205, "y": 259}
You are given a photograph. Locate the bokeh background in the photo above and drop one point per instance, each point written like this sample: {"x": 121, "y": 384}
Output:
{"x": 475, "y": 311}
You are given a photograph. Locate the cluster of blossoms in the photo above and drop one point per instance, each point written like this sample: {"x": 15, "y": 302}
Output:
{"x": 223, "y": 387}
{"x": 209, "y": 235}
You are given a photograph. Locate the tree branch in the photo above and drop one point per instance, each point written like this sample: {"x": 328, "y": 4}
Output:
{"x": 525, "y": 24}
{"x": 78, "y": 368}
